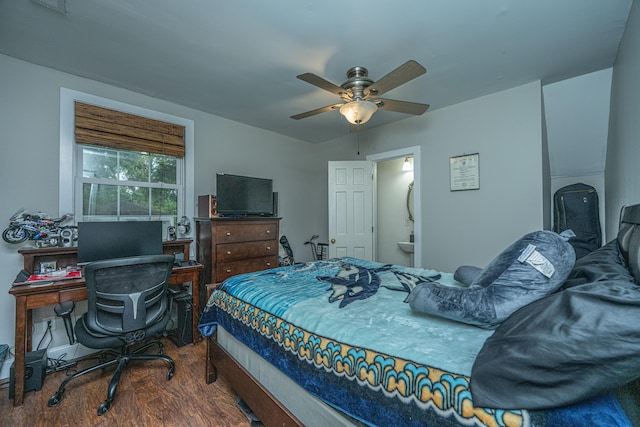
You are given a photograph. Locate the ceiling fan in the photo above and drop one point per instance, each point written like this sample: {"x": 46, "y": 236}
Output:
{"x": 360, "y": 93}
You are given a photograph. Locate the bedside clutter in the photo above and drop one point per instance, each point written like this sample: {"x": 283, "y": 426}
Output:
{"x": 185, "y": 263}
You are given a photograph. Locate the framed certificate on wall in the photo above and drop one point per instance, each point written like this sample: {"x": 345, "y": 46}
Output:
{"x": 464, "y": 172}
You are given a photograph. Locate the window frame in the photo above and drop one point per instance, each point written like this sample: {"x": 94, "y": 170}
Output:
{"x": 147, "y": 185}
{"x": 69, "y": 185}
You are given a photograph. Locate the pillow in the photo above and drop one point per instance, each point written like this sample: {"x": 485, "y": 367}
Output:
{"x": 562, "y": 349}
{"x": 529, "y": 269}
{"x": 605, "y": 263}
{"x": 466, "y": 274}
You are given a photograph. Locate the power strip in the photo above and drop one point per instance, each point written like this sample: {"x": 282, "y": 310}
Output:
{"x": 61, "y": 367}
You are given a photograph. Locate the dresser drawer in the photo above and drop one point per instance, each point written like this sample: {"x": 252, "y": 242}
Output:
{"x": 230, "y": 233}
{"x": 228, "y": 269}
{"x": 235, "y": 251}
{"x": 230, "y": 246}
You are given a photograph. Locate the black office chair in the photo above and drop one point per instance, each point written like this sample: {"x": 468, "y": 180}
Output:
{"x": 128, "y": 303}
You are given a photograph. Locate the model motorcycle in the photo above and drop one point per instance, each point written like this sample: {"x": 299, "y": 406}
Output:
{"x": 35, "y": 226}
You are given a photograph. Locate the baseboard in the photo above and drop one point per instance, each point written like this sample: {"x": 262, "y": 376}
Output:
{"x": 69, "y": 352}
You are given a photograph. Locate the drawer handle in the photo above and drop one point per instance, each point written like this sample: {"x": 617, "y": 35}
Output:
{"x": 228, "y": 252}
{"x": 228, "y": 270}
{"x": 268, "y": 248}
{"x": 228, "y": 233}
{"x": 268, "y": 264}
{"x": 268, "y": 231}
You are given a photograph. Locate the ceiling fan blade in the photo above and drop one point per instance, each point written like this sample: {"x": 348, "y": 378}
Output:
{"x": 404, "y": 73}
{"x": 321, "y": 83}
{"x": 316, "y": 111}
{"x": 401, "y": 106}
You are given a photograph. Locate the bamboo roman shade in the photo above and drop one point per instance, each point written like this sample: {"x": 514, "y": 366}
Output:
{"x": 123, "y": 131}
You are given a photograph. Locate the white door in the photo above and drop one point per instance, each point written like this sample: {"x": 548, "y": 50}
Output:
{"x": 351, "y": 209}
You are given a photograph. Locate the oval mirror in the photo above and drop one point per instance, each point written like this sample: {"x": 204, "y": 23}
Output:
{"x": 410, "y": 201}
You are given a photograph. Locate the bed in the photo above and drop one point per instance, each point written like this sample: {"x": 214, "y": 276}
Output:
{"x": 335, "y": 342}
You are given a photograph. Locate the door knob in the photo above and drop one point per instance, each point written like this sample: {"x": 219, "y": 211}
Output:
{"x": 333, "y": 240}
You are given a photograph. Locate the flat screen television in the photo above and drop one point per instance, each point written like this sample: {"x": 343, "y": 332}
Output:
{"x": 112, "y": 239}
{"x": 238, "y": 195}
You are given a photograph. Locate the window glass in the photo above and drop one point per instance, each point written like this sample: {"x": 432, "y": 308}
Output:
{"x": 134, "y": 201}
{"x": 99, "y": 200}
{"x": 134, "y": 166}
{"x": 127, "y": 185}
{"x": 163, "y": 200}
{"x": 99, "y": 163}
{"x": 163, "y": 169}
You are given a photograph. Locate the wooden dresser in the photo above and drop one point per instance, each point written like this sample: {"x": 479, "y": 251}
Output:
{"x": 230, "y": 246}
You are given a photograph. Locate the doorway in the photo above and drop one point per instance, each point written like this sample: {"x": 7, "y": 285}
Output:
{"x": 394, "y": 228}
{"x": 417, "y": 214}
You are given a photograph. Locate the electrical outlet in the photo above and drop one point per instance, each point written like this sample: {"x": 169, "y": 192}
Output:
{"x": 45, "y": 323}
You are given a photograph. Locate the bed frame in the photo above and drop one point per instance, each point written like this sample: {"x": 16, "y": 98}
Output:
{"x": 263, "y": 404}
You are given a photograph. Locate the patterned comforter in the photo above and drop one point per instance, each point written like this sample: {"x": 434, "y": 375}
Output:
{"x": 342, "y": 330}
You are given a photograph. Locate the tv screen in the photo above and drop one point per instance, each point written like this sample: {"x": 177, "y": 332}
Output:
{"x": 244, "y": 195}
{"x": 112, "y": 239}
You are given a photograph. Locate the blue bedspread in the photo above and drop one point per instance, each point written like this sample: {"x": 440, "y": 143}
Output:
{"x": 343, "y": 331}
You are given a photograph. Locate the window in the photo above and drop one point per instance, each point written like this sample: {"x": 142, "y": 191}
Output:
{"x": 128, "y": 185}
{"x": 113, "y": 183}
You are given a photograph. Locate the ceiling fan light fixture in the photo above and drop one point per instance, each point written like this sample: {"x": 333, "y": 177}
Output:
{"x": 358, "y": 112}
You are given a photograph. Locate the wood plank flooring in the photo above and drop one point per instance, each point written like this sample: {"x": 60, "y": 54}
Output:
{"x": 144, "y": 397}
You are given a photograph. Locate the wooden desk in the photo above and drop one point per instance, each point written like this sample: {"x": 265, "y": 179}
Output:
{"x": 32, "y": 257}
{"x": 29, "y": 297}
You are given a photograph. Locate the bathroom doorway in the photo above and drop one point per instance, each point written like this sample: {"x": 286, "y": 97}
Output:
{"x": 391, "y": 215}
{"x": 394, "y": 236}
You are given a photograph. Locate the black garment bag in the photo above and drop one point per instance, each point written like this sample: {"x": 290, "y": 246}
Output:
{"x": 576, "y": 208}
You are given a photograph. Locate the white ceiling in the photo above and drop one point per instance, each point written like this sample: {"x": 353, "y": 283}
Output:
{"x": 239, "y": 59}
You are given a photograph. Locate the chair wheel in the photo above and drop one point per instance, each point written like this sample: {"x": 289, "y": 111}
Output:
{"x": 56, "y": 398}
{"x": 104, "y": 407}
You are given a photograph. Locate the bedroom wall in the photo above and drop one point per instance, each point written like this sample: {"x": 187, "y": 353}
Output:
{"x": 472, "y": 227}
{"x": 622, "y": 175}
{"x": 29, "y": 119}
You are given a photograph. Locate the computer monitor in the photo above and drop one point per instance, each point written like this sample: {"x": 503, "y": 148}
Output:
{"x": 112, "y": 239}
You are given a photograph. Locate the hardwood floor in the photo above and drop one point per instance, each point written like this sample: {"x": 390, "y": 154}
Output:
{"x": 144, "y": 397}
